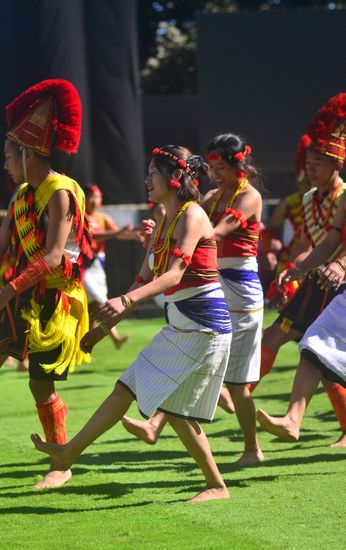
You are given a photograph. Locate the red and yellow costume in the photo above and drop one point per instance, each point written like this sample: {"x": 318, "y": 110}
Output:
{"x": 48, "y": 315}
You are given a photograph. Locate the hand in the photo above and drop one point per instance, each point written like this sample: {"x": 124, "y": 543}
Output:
{"x": 288, "y": 275}
{"x": 91, "y": 338}
{"x": 147, "y": 227}
{"x": 6, "y": 294}
{"x": 110, "y": 313}
{"x": 331, "y": 276}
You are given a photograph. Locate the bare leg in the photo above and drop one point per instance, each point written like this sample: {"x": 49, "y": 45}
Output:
{"x": 118, "y": 340}
{"x": 196, "y": 443}
{"x": 147, "y": 430}
{"x": 23, "y": 366}
{"x": 305, "y": 383}
{"x": 225, "y": 401}
{"x": 273, "y": 338}
{"x": 106, "y": 416}
{"x": 246, "y": 414}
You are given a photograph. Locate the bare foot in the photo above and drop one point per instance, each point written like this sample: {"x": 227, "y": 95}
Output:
{"x": 210, "y": 494}
{"x": 143, "y": 430}
{"x": 248, "y": 458}
{"x": 121, "y": 341}
{"x": 54, "y": 478}
{"x": 341, "y": 442}
{"x": 283, "y": 427}
{"x": 9, "y": 362}
{"x": 58, "y": 454}
{"x": 225, "y": 401}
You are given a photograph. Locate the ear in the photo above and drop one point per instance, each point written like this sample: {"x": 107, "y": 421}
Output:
{"x": 178, "y": 173}
{"x": 29, "y": 155}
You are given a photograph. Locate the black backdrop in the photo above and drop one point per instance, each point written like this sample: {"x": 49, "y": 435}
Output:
{"x": 92, "y": 43}
{"x": 264, "y": 75}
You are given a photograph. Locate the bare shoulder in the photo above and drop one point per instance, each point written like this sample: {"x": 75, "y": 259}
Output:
{"x": 252, "y": 193}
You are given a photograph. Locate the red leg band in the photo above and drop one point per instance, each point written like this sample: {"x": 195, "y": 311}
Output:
{"x": 52, "y": 415}
{"x": 337, "y": 396}
{"x": 268, "y": 357}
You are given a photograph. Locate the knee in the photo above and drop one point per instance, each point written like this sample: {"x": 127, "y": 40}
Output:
{"x": 41, "y": 390}
{"x": 238, "y": 391}
{"x": 120, "y": 391}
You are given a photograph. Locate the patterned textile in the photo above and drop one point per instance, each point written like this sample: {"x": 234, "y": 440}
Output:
{"x": 69, "y": 321}
{"x": 319, "y": 212}
{"x": 326, "y": 337}
{"x": 181, "y": 371}
{"x": 244, "y": 296}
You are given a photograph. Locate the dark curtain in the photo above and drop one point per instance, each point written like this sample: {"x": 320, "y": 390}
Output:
{"x": 92, "y": 43}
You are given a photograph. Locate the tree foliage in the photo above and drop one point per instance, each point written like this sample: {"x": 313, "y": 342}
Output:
{"x": 168, "y": 36}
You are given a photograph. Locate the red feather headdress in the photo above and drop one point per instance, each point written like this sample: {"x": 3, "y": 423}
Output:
{"x": 45, "y": 116}
{"x": 328, "y": 129}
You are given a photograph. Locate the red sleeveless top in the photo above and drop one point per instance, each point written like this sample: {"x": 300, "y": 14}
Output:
{"x": 241, "y": 242}
{"x": 202, "y": 269}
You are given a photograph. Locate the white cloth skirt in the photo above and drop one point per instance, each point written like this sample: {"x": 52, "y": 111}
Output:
{"x": 181, "y": 371}
{"x": 245, "y": 303}
{"x": 95, "y": 283}
{"x": 326, "y": 337}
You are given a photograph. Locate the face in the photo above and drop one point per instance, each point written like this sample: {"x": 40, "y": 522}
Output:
{"x": 319, "y": 167}
{"x": 93, "y": 202}
{"x": 156, "y": 184}
{"x": 222, "y": 173}
{"x": 13, "y": 162}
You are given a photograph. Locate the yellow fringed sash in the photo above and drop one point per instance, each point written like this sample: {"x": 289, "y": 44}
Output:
{"x": 70, "y": 320}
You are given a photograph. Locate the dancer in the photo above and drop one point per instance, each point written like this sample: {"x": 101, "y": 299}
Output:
{"x": 181, "y": 371}
{"x": 323, "y": 347}
{"x": 103, "y": 229}
{"x": 44, "y": 308}
{"x": 275, "y": 255}
{"x": 234, "y": 208}
{"x": 323, "y": 167}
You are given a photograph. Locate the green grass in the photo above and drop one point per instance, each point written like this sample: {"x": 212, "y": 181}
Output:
{"x": 127, "y": 495}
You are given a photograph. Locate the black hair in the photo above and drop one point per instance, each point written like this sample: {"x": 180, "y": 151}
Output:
{"x": 228, "y": 145}
{"x": 196, "y": 168}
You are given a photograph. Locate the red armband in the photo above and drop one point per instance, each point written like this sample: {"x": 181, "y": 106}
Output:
{"x": 33, "y": 274}
{"x": 237, "y": 215}
{"x": 179, "y": 254}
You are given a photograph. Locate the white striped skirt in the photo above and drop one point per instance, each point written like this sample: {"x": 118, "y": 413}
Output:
{"x": 326, "y": 337}
{"x": 181, "y": 371}
{"x": 245, "y": 303}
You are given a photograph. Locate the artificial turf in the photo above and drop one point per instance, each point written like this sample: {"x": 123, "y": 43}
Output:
{"x": 127, "y": 495}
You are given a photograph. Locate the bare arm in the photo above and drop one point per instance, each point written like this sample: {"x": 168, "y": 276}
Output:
{"x": 5, "y": 235}
{"x": 250, "y": 205}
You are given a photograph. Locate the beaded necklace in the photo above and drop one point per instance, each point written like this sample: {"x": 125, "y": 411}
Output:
{"x": 162, "y": 252}
{"x": 219, "y": 196}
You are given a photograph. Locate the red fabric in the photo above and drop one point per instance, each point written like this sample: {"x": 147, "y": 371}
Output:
{"x": 52, "y": 415}
{"x": 337, "y": 397}
{"x": 268, "y": 357}
{"x": 33, "y": 274}
{"x": 241, "y": 242}
{"x": 57, "y": 105}
{"x": 202, "y": 269}
{"x": 326, "y": 130}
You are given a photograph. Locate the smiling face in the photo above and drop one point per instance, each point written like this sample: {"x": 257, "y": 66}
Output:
{"x": 13, "y": 162}
{"x": 319, "y": 167}
{"x": 222, "y": 173}
{"x": 156, "y": 184}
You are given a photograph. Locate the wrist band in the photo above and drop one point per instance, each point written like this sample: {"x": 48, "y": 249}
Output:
{"x": 125, "y": 300}
{"x": 33, "y": 274}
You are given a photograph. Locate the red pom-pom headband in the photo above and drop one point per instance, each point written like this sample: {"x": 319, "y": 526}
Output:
{"x": 181, "y": 163}
{"x": 225, "y": 155}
